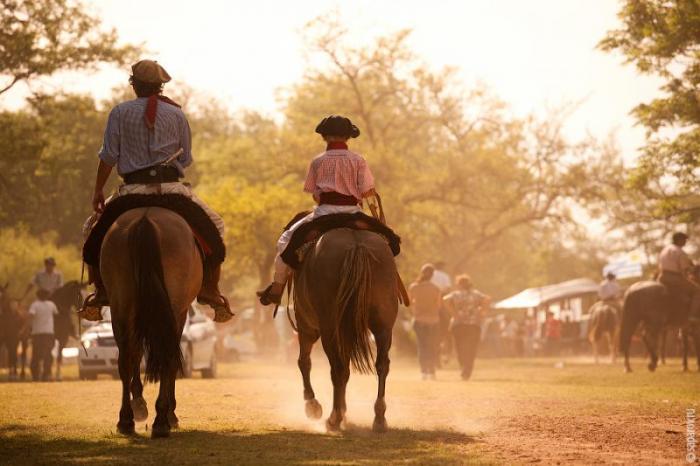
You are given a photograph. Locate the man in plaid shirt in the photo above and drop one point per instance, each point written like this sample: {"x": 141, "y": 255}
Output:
{"x": 148, "y": 141}
{"x": 338, "y": 179}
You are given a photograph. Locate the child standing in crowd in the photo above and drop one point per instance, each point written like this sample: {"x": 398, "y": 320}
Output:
{"x": 42, "y": 311}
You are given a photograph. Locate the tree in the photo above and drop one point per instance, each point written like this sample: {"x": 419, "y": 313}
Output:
{"x": 40, "y": 37}
{"x": 662, "y": 38}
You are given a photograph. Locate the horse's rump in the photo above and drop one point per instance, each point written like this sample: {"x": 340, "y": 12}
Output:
{"x": 348, "y": 278}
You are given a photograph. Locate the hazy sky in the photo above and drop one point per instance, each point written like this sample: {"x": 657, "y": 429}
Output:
{"x": 534, "y": 54}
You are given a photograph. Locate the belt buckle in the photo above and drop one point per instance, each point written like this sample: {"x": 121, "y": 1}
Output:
{"x": 152, "y": 172}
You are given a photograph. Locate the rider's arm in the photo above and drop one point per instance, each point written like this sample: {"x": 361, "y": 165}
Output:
{"x": 98, "y": 198}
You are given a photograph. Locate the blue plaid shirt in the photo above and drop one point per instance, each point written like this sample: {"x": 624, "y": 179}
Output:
{"x": 129, "y": 146}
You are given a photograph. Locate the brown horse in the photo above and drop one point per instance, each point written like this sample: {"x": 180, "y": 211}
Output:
{"x": 345, "y": 289}
{"x": 603, "y": 323}
{"x": 152, "y": 271}
{"x": 648, "y": 303}
{"x": 15, "y": 329}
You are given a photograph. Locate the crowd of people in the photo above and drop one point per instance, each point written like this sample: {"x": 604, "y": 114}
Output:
{"x": 453, "y": 319}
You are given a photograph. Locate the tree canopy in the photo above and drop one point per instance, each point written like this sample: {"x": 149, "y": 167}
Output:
{"x": 41, "y": 37}
{"x": 662, "y": 38}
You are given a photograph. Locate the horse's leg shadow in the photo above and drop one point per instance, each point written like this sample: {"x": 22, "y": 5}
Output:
{"x": 306, "y": 342}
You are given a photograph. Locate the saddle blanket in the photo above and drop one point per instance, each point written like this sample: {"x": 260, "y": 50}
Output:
{"x": 203, "y": 227}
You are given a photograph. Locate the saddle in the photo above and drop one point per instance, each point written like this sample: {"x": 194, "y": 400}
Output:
{"x": 308, "y": 233}
{"x": 207, "y": 236}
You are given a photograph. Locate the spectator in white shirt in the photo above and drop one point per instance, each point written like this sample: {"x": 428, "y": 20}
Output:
{"x": 42, "y": 311}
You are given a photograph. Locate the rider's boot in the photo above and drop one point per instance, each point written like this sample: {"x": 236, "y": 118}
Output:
{"x": 210, "y": 295}
{"x": 92, "y": 306}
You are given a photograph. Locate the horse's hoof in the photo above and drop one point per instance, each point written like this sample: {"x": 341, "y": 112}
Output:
{"x": 651, "y": 367}
{"x": 126, "y": 428}
{"x": 313, "y": 409}
{"x": 160, "y": 431}
{"x": 380, "y": 426}
{"x": 173, "y": 421}
{"x": 628, "y": 370}
{"x": 332, "y": 426}
{"x": 685, "y": 368}
{"x": 140, "y": 409}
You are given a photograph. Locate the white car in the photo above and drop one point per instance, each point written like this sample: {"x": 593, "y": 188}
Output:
{"x": 101, "y": 353}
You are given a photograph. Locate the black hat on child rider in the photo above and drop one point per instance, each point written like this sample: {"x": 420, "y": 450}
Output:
{"x": 336, "y": 125}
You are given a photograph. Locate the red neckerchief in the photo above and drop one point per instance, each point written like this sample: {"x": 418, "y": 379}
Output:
{"x": 152, "y": 106}
{"x": 336, "y": 145}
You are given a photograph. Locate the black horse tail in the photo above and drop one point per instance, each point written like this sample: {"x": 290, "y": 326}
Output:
{"x": 353, "y": 306}
{"x": 154, "y": 320}
{"x": 630, "y": 319}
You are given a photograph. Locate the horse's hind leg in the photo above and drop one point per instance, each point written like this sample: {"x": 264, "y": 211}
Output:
{"x": 23, "y": 359}
{"x": 161, "y": 425}
{"x": 59, "y": 357}
{"x": 613, "y": 349}
{"x": 651, "y": 340}
{"x": 383, "y": 340}
{"x": 594, "y": 344}
{"x": 172, "y": 418}
{"x": 138, "y": 404}
{"x": 306, "y": 343}
{"x": 684, "y": 343}
{"x": 126, "y": 414}
{"x": 340, "y": 374}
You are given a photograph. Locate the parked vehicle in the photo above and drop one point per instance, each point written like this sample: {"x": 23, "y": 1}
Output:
{"x": 198, "y": 347}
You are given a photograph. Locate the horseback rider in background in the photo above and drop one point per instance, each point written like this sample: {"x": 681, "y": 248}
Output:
{"x": 50, "y": 279}
{"x": 148, "y": 140}
{"x": 610, "y": 291}
{"x": 675, "y": 268}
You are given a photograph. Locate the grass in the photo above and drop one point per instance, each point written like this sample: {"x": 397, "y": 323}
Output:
{"x": 254, "y": 414}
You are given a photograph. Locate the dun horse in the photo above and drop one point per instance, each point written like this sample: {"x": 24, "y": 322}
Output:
{"x": 345, "y": 289}
{"x": 152, "y": 271}
{"x": 603, "y": 324}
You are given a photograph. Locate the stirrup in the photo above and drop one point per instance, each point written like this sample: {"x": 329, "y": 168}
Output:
{"x": 222, "y": 311}
{"x": 91, "y": 309}
{"x": 267, "y": 297}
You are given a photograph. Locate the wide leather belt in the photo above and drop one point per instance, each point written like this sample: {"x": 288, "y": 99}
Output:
{"x": 334, "y": 198}
{"x": 157, "y": 174}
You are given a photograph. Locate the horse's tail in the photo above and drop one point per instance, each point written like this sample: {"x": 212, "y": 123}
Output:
{"x": 353, "y": 306}
{"x": 154, "y": 320}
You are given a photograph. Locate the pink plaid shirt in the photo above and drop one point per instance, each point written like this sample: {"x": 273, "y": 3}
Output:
{"x": 341, "y": 171}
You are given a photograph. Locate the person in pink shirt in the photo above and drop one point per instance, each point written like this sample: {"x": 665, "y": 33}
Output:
{"x": 338, "y": 179}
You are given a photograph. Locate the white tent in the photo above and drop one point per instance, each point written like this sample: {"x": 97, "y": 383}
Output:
{"x": 535, "y": 297}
